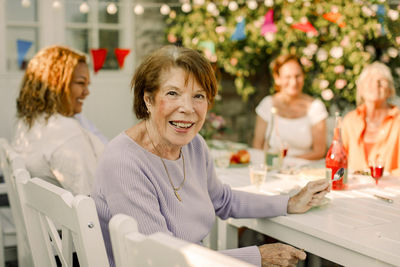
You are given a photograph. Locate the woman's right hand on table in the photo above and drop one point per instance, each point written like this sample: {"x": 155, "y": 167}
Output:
{"x": 279, "y": 254}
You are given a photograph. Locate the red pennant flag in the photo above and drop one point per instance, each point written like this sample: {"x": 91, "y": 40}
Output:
{"x": 335, "y": 18}
{"x": 121, "y": 54}
{"x": 99, "y": 57}
{"x": 305, "y": 27}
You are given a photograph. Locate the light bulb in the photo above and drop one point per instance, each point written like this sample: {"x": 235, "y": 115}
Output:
{"x": 26, "y": 3}
{"x": 211, "y": 7}
{"x": 198, "y": 2}
{"x": 139, "y": 9}
{"x": 252, "y": 4}
{"x": 84, "y": 8}
{"x": 186, "y": 7}
{"x": 56, "y": 4}
{"x": 269, "y": 3}
{"x": 233, "y": 6}
{"x": 165, "y": 9}
{"x": 112, "y": 8}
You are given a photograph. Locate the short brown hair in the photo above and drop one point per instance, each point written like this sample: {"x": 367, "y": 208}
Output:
{"x": 46, "y": 83}
{"x": 281, "y": 60}
{"x": 147, "y": 75}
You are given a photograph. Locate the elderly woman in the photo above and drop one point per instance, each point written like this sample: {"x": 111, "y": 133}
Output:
{"x": 160, "y": 170}
{"x": 299, "y": 120}
{"x": 372, "y": 130}
{"x": 54, "y": 144}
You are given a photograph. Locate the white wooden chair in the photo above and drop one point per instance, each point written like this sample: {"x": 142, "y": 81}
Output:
{"x": 132, "y": 249}
{"x": 45, "y": 205}
{"x": 12, "y": 222}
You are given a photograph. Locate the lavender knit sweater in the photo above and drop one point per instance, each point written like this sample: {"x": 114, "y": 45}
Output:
{"x": 133, "y": 181}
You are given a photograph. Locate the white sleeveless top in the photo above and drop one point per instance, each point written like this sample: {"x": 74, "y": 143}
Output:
{"x": 295, "y": 132}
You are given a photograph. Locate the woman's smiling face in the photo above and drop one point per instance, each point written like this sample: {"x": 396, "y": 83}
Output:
{"x": 178, "y": 109}
{"x": 79, "y": 87}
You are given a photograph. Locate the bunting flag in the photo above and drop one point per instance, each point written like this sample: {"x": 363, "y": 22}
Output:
{"x": 121, "y": 55}
{"x": 208, "y": 46}
{"x": 334, "y": 17}
{"x": 23, "y": 47}
{"x": 305, "y": 27}
{"x": 99, "y": 57}
{"x": 239, "y": 33}
{"x": 381, "y": 17}
{"x": 269, "y": 25}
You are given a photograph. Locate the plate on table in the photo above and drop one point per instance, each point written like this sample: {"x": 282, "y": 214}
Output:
{"x": 238, "y": 165}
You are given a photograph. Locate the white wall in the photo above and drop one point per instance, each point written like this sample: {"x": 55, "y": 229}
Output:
{"x": 109, "y": 105}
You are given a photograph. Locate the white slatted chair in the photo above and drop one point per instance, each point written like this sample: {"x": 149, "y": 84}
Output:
{"x": 132, "y": 249}
{"x": 45, "y": 205}
{"x": 13, "y": 225}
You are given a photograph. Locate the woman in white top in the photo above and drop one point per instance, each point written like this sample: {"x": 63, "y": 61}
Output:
{"x": 55, "y": 146}
{"x": 291, "y": 117}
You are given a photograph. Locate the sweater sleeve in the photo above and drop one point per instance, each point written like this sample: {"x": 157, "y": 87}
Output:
{"x": 239, "y": 204}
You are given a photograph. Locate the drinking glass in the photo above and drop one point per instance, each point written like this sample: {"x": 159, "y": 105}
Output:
{"x": 258, "y": 174}
{"x": 222, "y": 158}
{"x": 376, "y": 167}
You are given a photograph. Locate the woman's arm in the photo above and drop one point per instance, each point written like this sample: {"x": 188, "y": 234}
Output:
{"x": 318, "y": 132}
{"x": 259, "y": 133}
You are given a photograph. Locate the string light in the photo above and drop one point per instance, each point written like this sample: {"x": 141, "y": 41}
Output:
{"x": 186, "y": 7}
{"x": 233, "y": 6}
{"x": 112, "y": 8}
{"x": 138, "y": 9}
{"x": 252, "y": 4}
{"x": 56, "y": 4}
{"x": 269, "y": 3}
{"x": 84, "y": 8}
{"x": 26, "y": 3}
{"x": 165, "y": 9}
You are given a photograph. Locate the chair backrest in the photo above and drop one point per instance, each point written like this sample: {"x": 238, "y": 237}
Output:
{"x": 132, "y": 249}
{"x": 44, "y": 206}
{"x": 11, "y": 162}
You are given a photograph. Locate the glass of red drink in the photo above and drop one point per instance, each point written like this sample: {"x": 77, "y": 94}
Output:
{"x": 376, "y": 167}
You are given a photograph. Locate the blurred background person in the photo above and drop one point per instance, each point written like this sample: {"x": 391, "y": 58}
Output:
{"x": 371, "y": 132}
{"x": 299, "y": 121}
{"x": 160, "y": 170}
{"x": 53, "y": 143}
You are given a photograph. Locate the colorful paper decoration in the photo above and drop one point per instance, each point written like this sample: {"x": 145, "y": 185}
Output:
{"x": 305, "y": 27}
{"x": 239, "y": 33}
{"x": 99, "y": 57}
{"x": 381, "y": 17}
{"x": 121, "y": 55}
{"x": 268, "y": 25}
{"x": 208, "y": 46}
{"x": 335, "y": 18}
{"x": 23, "y": 47}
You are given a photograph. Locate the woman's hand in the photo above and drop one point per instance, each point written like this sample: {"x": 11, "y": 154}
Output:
{"x": 309, "y": 196}
{"x": 279, "y": 254}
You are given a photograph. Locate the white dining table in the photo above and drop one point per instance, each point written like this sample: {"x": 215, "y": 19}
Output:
{"x": 351, "y": 228}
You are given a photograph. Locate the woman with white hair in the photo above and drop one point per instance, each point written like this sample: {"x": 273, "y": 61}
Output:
{"x": 372, "y": 130}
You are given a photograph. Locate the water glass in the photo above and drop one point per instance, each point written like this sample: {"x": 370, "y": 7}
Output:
{"x": 258, "y": 174}
{"x": 222, "y": 158}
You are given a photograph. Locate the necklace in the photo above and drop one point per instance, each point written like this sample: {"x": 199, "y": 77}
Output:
{"x": 166, "y": 170}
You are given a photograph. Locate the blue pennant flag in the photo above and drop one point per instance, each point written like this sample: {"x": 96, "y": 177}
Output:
{"x": 381, "y": 17}
{"x": 239, "y": 33}
{"x": 22, "y": 49}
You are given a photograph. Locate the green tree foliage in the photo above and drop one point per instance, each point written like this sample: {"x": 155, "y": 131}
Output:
{"x": 357, "y": 33}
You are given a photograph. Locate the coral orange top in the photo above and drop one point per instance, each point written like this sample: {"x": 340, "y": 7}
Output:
{"x": 386, "y": 146}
